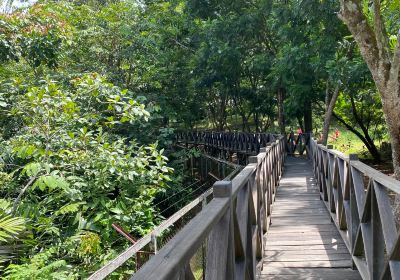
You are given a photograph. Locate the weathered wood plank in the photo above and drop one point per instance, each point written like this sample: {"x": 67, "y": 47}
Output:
{"x": 305, "y": 258}
{"x": 311, "y": 218}
{"x": 307, "y": 247}
{"x": 303, "y": 233}
{"x": 310, "y": 264}
{"x": 304, "y": 228}
{"x": 301, "y": 277}
{"x": 297, "y": 204}
{"x": 283, "y": 237}
{"x": 303, "y": 222}
{"x": 303, "y": 251}
{"x": 320, "y": 241}
{"x": 296, "y": 212}
{"x": 302, "y": 242}
{"x": 309, "y": 273}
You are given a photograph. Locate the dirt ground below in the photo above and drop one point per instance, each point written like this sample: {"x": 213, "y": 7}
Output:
{"x": 386, "y": 167}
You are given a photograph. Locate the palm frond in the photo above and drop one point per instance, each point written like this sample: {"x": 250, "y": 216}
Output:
{"x": 10, "y": 227}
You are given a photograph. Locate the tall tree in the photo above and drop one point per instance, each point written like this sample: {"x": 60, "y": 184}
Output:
{"x": 330, "y": 102}
{"x": 382, "y": 55}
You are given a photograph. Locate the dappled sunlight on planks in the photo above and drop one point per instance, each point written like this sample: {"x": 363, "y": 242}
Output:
{"x": 302, "y": 242}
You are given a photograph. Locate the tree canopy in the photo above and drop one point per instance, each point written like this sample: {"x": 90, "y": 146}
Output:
{"x": 91, "y": 92}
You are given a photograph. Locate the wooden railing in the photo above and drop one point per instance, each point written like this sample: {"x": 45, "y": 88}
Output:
{"x": 151, "y": 239}
{"x": 360, "y": 201}
{"x": 242, "y": 142}
{"x": 232, "y": 225}
{"x": 298, "y": 142}
{"x": 148, "y": 239}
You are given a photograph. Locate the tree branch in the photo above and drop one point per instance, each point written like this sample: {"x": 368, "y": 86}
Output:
{"x": 329, "y": 110}
{"x": 395, "y": 67}
{"x": 352, "y": 15}
{"x": 365, "y": 139}
{"x": 380, "y": 32}
{"x": 15, "y": 204}
{"x": 351, "y": 128}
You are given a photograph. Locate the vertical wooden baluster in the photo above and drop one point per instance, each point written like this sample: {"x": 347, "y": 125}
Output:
{"x": 154, "y": 242}
{"x": 355, "y": 220}
{"x": 258, "y": 205}
{"x": 378, "y": 241}
{"x": 264, "y": 189}
{"x": 219, "y": 264}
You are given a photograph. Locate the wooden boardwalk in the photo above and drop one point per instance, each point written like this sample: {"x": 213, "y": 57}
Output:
{"x": 302, "y": 242}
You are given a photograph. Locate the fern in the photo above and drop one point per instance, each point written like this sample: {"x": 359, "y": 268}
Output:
{"x": 41, "y": 266}
{"x": 5, "y": 205}
{"x": 69, "y": 208}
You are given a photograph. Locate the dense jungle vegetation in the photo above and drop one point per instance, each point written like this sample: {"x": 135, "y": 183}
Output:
{"x": 91, "y": 92}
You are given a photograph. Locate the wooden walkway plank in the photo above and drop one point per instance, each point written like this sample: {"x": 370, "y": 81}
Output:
{"x": 310, "y": 273}
{"x": 302, "y": 242}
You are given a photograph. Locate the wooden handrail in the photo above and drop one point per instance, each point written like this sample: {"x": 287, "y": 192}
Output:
{"x": 147, "y": 239}
{"x": 215, "y": 143}
{"x": 168, "y": 262}
{"x": 298, "y": 142}
{"x": 150, "y": 238}
{"x": 233, "y": 224}
{"x": 358, "y": 199}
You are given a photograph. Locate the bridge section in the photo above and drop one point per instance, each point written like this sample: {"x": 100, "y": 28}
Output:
{"x": 267, "y": 224}
{"x": 302, "y": 242}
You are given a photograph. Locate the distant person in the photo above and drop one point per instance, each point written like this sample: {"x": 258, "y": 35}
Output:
{"x": 299, "y": 131}
{"x": 336, "y": 135}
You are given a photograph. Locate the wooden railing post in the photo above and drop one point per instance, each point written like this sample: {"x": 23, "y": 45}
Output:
{"x": 269, "y": 192}
{"x": 360, "y": 197}
{"x": 259, "y": 203}
{"x": 154, "y": 242}
{"x": 329, "y": 179}
{"x": 220, "y": 251}
{"x": 355, "y": 219}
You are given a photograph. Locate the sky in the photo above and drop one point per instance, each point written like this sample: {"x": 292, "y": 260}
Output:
{"x": 15, "y": 4}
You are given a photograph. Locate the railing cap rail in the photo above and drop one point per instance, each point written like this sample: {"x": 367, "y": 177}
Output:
{"x": 383, "y": 179}
{"x": 171, "y": 258}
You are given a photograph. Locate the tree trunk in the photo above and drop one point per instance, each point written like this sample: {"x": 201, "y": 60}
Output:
{"x": 244, "y": 122}
{"x": 307, "y": 116}
{"x": 392, "y": 114}
{"x": 281, "y": 116}
{"x": 330, "y": 106}
{"x": 300, "y": 121}
{"x": 267, "y": 123}
{"x": 242, "y": 113}
{"x": 383, "y": 64}
{"x": 257, "y": 122}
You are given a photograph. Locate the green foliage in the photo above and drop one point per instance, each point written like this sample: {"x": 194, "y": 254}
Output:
{"x": 10, "y": 227}
{"x": 78, "y": 153}
{"x": 36, "y": 37}
{"x": 79, "y": 175}
{"x": 41, "y": 266}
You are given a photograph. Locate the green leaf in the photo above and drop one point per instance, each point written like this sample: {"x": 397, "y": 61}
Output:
{"x": 32, "y": 169}
{"x": 69, "y": 208}
{"x": 51, "y": 182}
{"x": 10, "y": 227}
